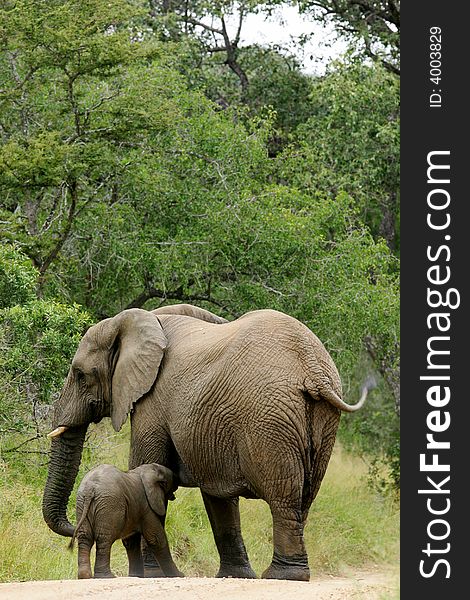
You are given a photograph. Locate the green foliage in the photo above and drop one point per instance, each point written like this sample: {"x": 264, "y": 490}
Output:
{"x": 374, "y": 433}
{"x": 371, "y": 26}
{"x": 351, "y": 143}
{"x": 349, "y": 148}
{"x": 126, "y": 184}
{"x": 37, "y": 340}
{"x": 17, "y": 277}
{"x": 213, "y": 59}
{"x": 275, "y": 82}
{"x": 306, "y": 256}
{"x": 61, "y": 64}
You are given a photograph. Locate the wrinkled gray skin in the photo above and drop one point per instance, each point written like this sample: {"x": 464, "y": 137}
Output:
{"x": 113, "y": 505}
{"x": 244, "y": 408}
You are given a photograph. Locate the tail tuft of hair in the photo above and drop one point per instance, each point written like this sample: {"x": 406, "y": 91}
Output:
{"x": 370, "y": 383}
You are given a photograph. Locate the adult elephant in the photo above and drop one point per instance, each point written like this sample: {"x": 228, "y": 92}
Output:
{"x": 243, "y": 408}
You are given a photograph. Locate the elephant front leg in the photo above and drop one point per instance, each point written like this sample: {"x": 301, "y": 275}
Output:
{"x": 290, "y": 558}
{"x": 155, "y": 536}
{"x": 224, "y": 517}
{"x": 165, "y": 560}
{"x": 134, "y": 555}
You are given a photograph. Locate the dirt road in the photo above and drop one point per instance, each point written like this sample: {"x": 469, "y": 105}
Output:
{"x": 368, "y": 585}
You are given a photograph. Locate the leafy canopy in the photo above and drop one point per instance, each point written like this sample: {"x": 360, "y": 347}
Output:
{"x": 126, "y": 182}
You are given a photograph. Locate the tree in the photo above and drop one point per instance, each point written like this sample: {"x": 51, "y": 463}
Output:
{"x": 17, "y": 277}
{"x": 373, "y": 23}
{"x": 277, "y": 88}
{"x": 37, "y": 340}
{"x": 125, "y": 185}
{"x": 345, "y": 146}
{"x": 254, "y": 77}
{"x": 351, "y": 143}
{"x": 90, "y": 155}
{"x": 209, "y": 22}
{"x": 58, "y": 70}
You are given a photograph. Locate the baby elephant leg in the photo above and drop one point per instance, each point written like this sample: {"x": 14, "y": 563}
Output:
{"x": 155, "y": 536}
{"x": 165, "y": 560}
{"x": 103, "y": 558}
{"x": 134, "y": 555}
{"x": 151, "y": 566}
{"x": 84, "y": 564}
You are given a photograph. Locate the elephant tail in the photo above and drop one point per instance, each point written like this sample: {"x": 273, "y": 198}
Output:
{"x": 86, "y": 505}
{"x": 336, "y": 401}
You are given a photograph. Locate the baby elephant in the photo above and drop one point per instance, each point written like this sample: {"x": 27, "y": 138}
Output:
{"x": 114, "y": 505}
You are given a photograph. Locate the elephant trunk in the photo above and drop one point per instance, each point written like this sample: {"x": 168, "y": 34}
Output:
{"x": 66, "y": 453}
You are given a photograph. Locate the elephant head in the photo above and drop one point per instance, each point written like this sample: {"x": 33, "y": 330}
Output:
{"x": 158, "y": 484}
{"x": 116, "y": 363}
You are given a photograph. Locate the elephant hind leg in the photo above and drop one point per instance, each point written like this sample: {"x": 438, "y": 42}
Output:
{"x": 84, "y": 563}
{"x": 134, "y": 555}
{"x": 151, "y": 565}
{"x": 224, "y": 517}
{"x": 290, "y": 557}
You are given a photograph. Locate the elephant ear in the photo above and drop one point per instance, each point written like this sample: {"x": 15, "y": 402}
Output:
{"x": 156, "y": 479}
{"x": 139, "y": 348}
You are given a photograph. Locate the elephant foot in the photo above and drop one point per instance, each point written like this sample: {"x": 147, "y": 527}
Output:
{"x": 85, "y": 573}
{"x": 136, "y": 573}
{"x": 238, "y": 571}
{"x": 104, "y": 575}
{"x": 174, "y": 573}
{"x": 158, "y": 572}
{"x": 288, "y": 567}
{"x": 153, "y": 571}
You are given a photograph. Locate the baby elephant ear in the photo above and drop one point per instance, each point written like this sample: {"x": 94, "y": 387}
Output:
{"x": 157, "y": 481}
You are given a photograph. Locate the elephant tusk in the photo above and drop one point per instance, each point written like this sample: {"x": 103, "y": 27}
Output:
{"x": 57, "y": 432}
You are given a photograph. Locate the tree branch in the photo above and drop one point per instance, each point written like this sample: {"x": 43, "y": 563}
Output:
{"x": 16, "y": 448}
{"x": 230, "y": 46}
{"x": 178, "y": 294}
{"x": 204, "y": 25}
{"x": 73, "y": 190}
{"x": 239, "y": 30}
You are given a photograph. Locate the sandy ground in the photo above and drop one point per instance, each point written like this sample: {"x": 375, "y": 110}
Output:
{"x": 373, "y": 585}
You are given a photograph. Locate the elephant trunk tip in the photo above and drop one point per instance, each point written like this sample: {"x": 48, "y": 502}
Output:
{"x": 64, "y": 529}
{"x": 60, "y": 526}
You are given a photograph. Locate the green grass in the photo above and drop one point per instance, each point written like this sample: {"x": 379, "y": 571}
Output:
{"x": 349, "y": 524}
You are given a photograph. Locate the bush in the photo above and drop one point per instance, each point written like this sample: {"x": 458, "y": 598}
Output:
{"x": 17, "y": 277}
{"x": 374, "y": 432}
{"x": 37, "y": 340}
